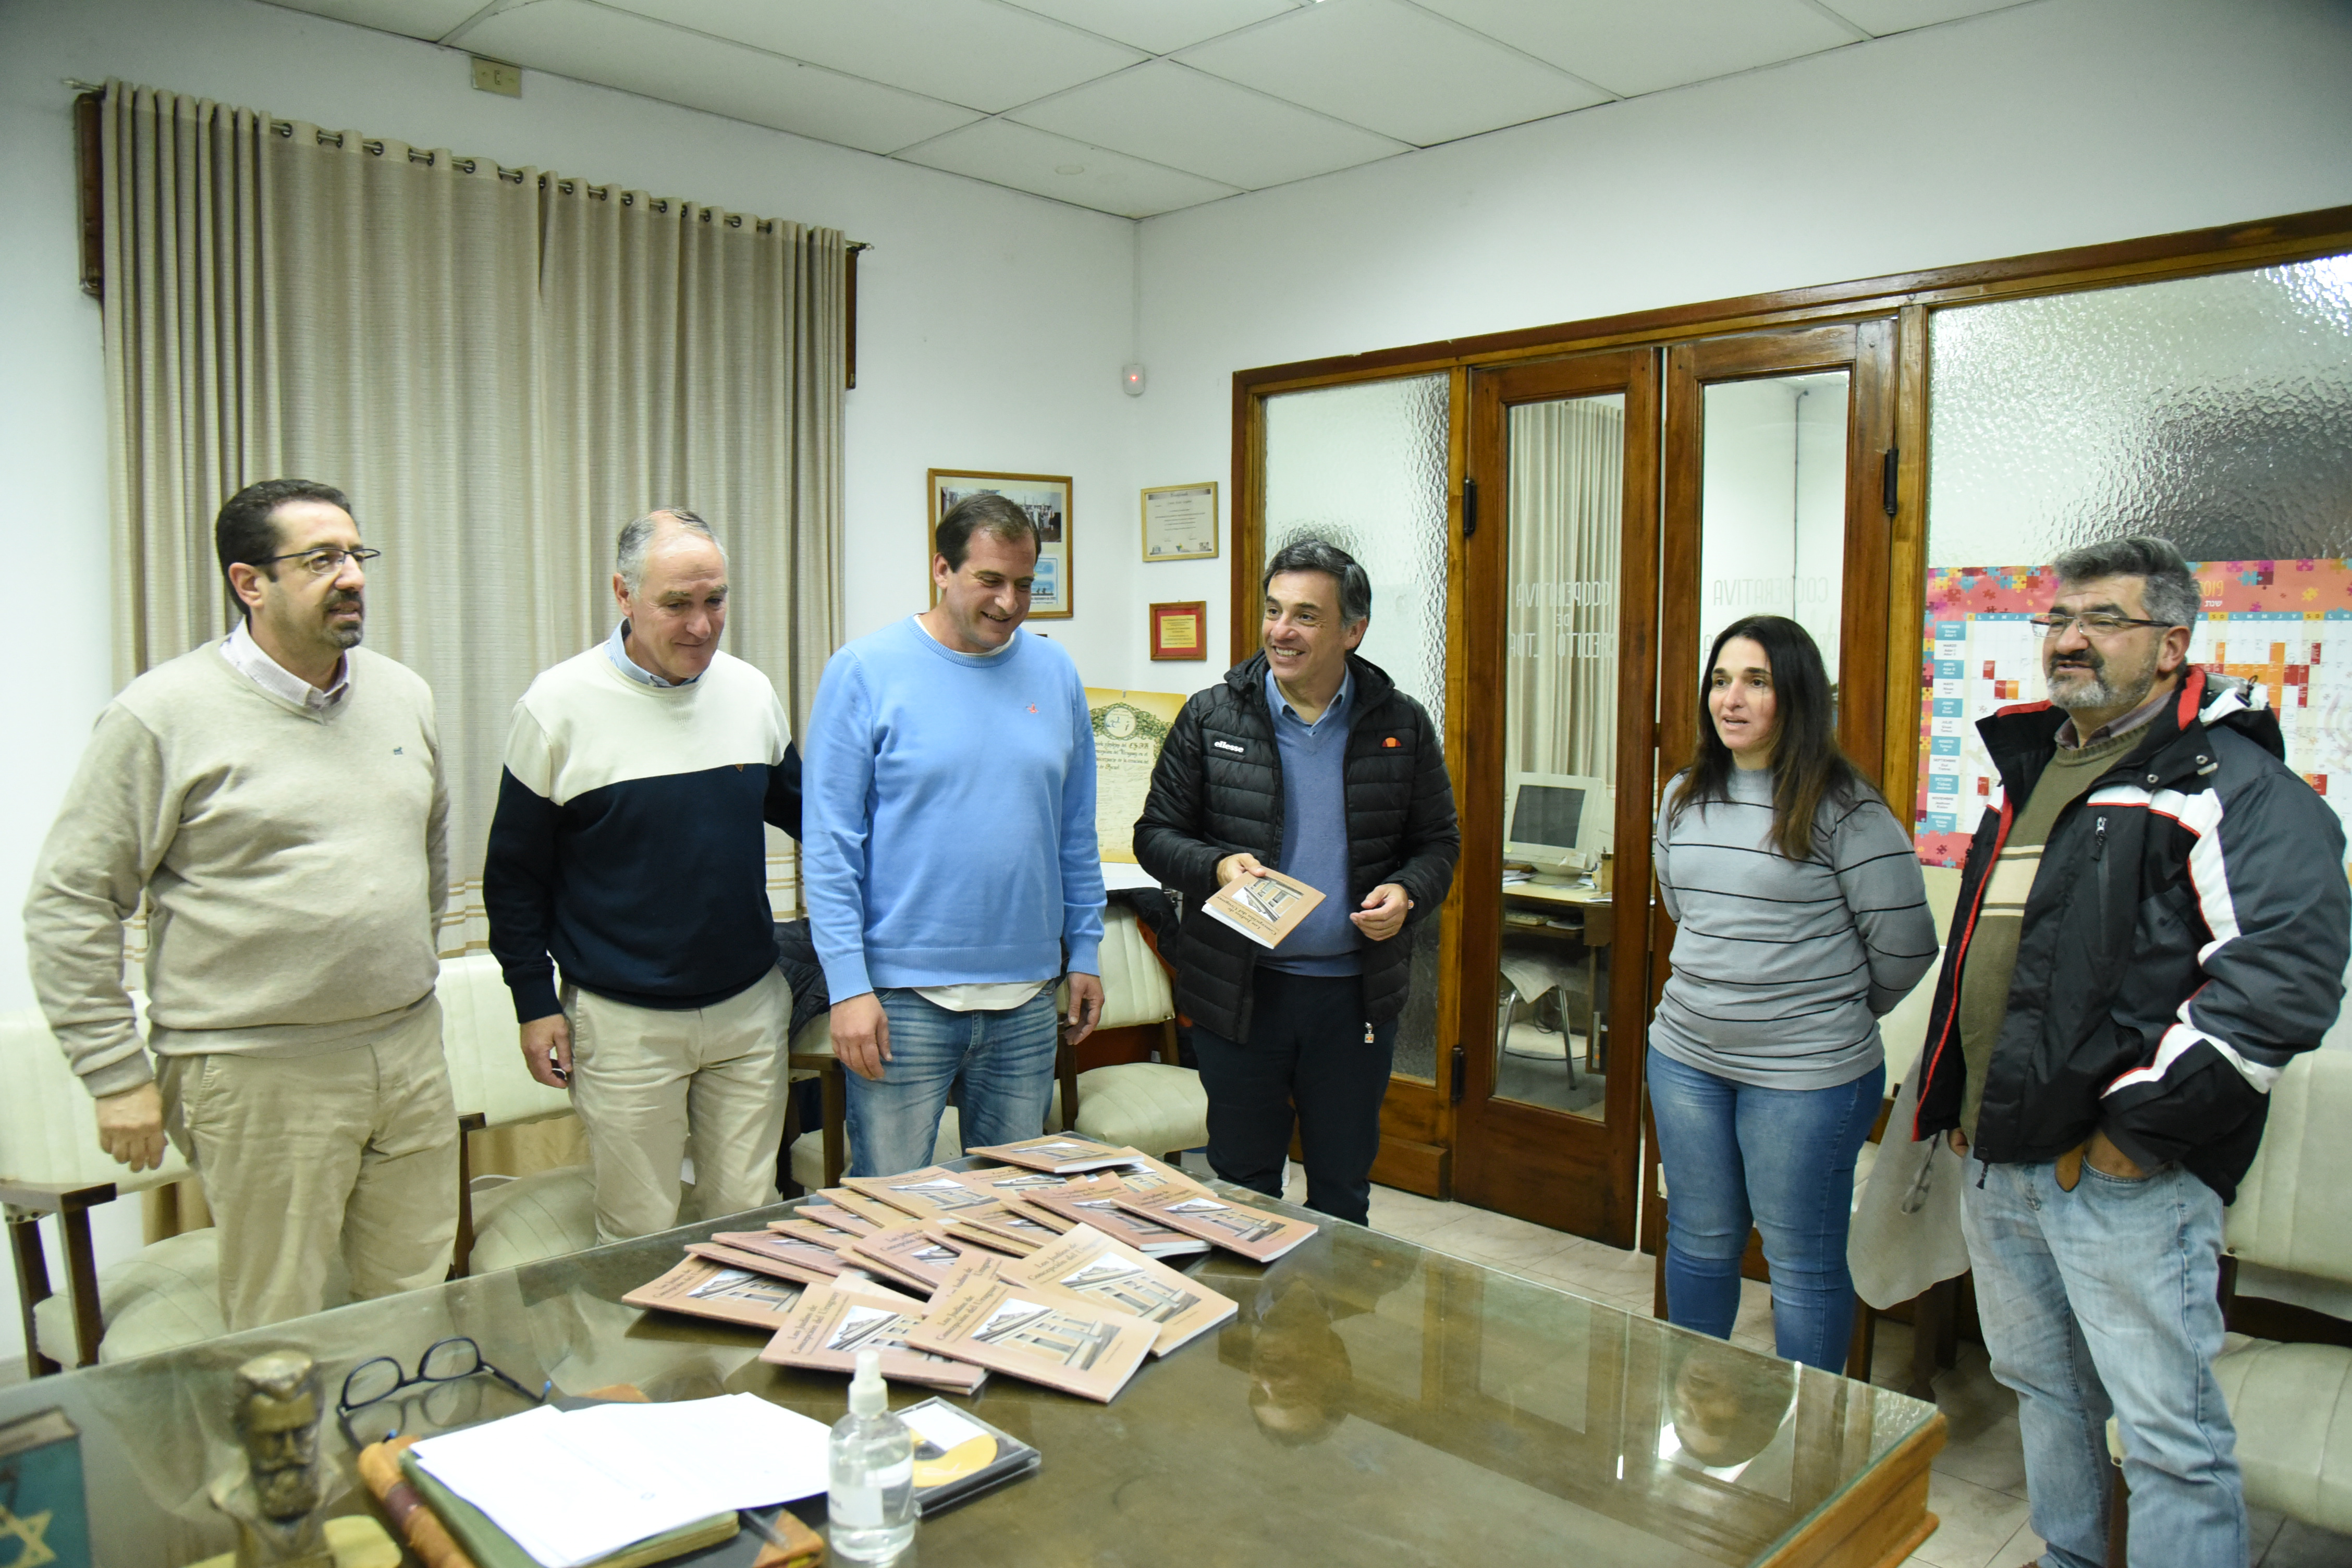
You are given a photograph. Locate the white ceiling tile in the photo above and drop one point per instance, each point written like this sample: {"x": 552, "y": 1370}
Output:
{"x": 415, "y": 18}
{"x": 1005, "y": 154}
{"x": 1656, "y": 44}
{"x": 1884, "y": 16}
{"x": 595, "y": 43}
{"x": 1392, "y": 69}
{"x": 1174, "y": 115}
{"x": 974, "y": 52}
{"x": 1163, "y": 27}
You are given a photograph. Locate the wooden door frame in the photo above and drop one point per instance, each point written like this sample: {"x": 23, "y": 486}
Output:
{"x": 1417, "y": 1120}
{"x": 1526, "y": 1140}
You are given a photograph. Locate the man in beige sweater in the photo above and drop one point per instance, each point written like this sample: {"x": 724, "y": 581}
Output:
{"x": 277, "y": 798}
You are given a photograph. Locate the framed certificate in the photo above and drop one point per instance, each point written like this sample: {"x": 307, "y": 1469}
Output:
{"x": 1181, "y": 631}
{"x": 1045, "y": 498}
{"x": 1179, "y": 522}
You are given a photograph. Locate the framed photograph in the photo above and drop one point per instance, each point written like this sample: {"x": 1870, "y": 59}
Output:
{"x": 1179, "y": 522}
{"x": 1045, "y": 496}
{"x": 1181, "y": 631}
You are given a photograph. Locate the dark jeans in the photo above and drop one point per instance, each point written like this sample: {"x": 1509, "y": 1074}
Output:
{"x": 1305, "y": 1058}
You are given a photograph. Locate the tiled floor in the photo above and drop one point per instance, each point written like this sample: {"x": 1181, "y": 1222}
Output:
{"x": 1977, "y": 1487}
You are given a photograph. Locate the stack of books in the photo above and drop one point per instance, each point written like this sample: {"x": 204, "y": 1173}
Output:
{"x": 1050, "y": 1267}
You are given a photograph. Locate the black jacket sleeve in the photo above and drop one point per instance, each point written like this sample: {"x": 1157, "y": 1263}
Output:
{"x": 782, "y": 807}
{"x": 1433, "y": 838}
{"x": 519, "y": 879}
{"x": 1168, "y": 841}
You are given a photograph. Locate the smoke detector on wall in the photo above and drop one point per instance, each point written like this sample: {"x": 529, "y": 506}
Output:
{"x": 1130, "y": 380}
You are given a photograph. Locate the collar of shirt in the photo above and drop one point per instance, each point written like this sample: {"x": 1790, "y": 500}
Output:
{"x": 617, "y": 646}
{"x": 1279, "y": 705}
{"x": 2071, "y": 740}
{"x": 247, "y": 656}
{"x": 997, "y": 652}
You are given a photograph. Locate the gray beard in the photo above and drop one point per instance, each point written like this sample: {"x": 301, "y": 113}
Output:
{"x": 348, "y": 637}
{"x": 285, "y": 1494}
{"x": 2098, "y": 694}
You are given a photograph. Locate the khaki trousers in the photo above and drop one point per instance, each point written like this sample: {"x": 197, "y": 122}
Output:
{"x": 356, "y": 1146}
{"x": 653, "y": 1085}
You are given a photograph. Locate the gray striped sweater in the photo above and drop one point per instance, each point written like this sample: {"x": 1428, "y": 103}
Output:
{"x": 1781, "y": 967}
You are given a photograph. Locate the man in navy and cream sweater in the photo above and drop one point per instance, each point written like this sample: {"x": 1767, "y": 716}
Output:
{"x": 627, "y": 849}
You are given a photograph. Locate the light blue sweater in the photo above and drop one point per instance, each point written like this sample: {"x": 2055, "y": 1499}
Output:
{"x": 949, "y": 815}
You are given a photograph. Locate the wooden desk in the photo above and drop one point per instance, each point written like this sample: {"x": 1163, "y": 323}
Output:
{"x": 1372, "y": 1403}
{"x": 1595, "y": 914}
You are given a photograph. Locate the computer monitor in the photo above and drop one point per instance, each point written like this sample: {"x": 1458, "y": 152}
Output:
{"x": 1560, "y": 823}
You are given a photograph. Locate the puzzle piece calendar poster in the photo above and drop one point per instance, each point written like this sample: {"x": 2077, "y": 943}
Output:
{"x": 2285, "y": 625}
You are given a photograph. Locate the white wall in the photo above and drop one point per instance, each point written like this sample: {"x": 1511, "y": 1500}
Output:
{"x": 2065, "y": 123}
{"x": 993, "y": 329}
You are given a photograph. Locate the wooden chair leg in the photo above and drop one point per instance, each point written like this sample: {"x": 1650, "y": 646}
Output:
{"x": 785, "y": 1186}
{"x": 32, "y": 1284}
{"x": 1658, "y": 1270}
{"x": 461, "y": 1256}
{"x": 81, "y": 1285}
{"x": 1930, "y": 1311}
{"x": 1865, "y": 1341}
{"x": 835, "y": 1090}
{"x": 2118, "y": 1517}
{"x": 1169, "y": 1053}
{"x": 1065, "y": 1070}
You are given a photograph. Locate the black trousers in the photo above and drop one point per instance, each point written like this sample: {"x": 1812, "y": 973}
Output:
{"x": 1307, "y": 1059}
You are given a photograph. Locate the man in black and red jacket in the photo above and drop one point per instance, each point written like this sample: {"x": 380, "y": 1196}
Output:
{"x": 2152, "y": 924}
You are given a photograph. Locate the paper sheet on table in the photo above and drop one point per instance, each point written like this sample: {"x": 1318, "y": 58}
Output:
{"x": 572, "y": 1487}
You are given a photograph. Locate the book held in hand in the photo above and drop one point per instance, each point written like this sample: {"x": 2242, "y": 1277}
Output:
{"x": 1263, "y": 908}
{"x": 1087, "y": 1263}
{"x": 1254, "y": 1233}
{"x": 1040, "y": 1333}
{"x": 827, "y": 1327}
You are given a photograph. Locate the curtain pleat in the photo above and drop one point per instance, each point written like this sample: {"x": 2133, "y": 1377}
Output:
{"x": 500, "y": 367}
{"x": 1567, "y": 489}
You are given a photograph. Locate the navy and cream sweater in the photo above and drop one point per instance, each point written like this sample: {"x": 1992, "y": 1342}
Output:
{"x": 627, "y": 845}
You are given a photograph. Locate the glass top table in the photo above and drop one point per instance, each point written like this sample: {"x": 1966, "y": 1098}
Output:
{"x": 1372, "y": 1402}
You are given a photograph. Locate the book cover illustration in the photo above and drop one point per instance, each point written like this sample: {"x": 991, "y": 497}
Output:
{"x": 1008, "y": 1227}
{"x": 1266, "y": 908}
{"x": 42, "y": 1502}
{"x": 828, "y": 1327}
{"x": 761, "y": 1263}
{"x": 703, "y": 1289}
{"x": 854, "y": 1205}
{"x": 917, "y": 1252}
{"x": 1254, "y": 1233}
{"x": 1060, "y": 1153}
{"x": 782, "y": 1248}
{"x": 926, "y": 1193}
{"x": 831, "y": 1237}
{"x": 1098, "y": 1202}
{"x": 1036, "y": 1333}
{"x": 1008, "y": 1180}
{"x": 1089, "y": 1264}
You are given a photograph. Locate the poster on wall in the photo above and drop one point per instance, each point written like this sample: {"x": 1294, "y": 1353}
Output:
{"x": 1129, "y": 728}
{"x": 1045, "y": 498}
{"x": 2286, "y": 625}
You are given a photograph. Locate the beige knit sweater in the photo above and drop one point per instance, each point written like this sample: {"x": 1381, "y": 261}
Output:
{"x": 297, "y": 863}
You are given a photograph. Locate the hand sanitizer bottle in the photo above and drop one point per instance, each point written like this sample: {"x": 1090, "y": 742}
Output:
{"x": 870, "y": 1503}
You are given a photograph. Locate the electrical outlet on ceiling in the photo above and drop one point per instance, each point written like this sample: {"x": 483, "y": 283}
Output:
{"x": 494, "y": 76}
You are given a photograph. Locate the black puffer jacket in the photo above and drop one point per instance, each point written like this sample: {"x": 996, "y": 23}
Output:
{"x": 2184, "y": 938}
{"x": 1218, "y": 792}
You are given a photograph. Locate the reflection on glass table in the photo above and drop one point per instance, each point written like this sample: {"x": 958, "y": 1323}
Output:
{"x": 1372, "y": 1402}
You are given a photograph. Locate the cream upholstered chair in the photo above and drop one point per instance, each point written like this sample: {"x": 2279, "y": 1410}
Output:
{"x": 51, "y": 1166}
{"x": 2292, "y": 1403}
{"x": 516, "y": 1220}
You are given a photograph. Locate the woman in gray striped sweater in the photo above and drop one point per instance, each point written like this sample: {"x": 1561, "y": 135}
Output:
{"x": 1802, "y": 918}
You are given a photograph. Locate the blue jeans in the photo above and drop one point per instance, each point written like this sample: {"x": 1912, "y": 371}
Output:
{"x": 2101, "y": 1301}
{"x": 1006, "y": 1062}
{"x": 1780, "y": 1159}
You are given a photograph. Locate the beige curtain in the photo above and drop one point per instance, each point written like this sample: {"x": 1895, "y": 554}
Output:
{"x": 500, "y": 366}
{"x": 1567, "y": 490}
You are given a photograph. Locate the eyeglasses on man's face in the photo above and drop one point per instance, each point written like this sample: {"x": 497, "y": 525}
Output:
{"x": 2097, "y": 623}
{"x": 326, "y": 561}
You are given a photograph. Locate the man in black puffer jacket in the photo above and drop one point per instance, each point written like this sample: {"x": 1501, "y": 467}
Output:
{"x": 1308, "y": 761}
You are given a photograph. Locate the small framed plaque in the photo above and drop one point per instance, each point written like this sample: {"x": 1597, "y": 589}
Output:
{"x": 1045, "y": 498}
{"x": 1179, "y": 522}
{"x": 1181, "y": 631}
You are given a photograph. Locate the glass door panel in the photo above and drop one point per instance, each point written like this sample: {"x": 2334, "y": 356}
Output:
{"x": 1773, "y": 489}
{"x": 1565, "y": 496}
{"x": 1364, "y": 467}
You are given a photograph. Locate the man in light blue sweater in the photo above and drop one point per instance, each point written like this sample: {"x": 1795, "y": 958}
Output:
{"x": 948, "y": 856}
